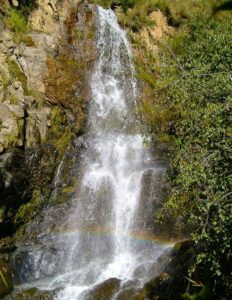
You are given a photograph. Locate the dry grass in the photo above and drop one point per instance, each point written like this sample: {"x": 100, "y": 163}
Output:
{"x": 177, "y": 11}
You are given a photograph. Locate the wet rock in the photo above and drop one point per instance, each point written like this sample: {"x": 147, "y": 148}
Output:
{"x": 105, "y": 290}
{"x": 129, "y": 293}
{"x": 180, "y": 248}
{"x": 23, "y": 175}
{"x": 159, "y": 286}
{"x": 171, "y": 283}
{"x": 6, "y": 284}
{"x": 31, "y": 294}
{"x": 154, "y": 189}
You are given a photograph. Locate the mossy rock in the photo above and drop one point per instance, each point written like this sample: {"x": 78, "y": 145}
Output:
{"x": 105, "y": 290}
{"x": 31, "y": 294}
{"x": 60, "y": 132}
{"x": 6, "y": 284}
{"x": 158, "y": 286}
{"x": 130, "y": 293}
{"x": 184, "y": 250}
{"x": 181, "y": 257}
{"x": 181, "y": 247}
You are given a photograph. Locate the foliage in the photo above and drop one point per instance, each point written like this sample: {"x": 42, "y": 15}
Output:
{"x": 16, "y": 22}
{"x": 196, "y": 97}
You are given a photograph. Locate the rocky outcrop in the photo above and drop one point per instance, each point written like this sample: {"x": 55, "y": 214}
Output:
{"x": 152, "y": 35}
{"x": 105, "y": 290}
{"x": 44, "y": 73}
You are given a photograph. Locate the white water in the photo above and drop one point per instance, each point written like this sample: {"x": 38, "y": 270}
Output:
{"x": 108, "y": 206}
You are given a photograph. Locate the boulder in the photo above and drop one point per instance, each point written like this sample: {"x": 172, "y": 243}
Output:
{"x": 105, "y": 290}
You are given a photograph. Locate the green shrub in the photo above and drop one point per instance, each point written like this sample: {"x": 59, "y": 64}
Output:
{"x": 201, "y": 94}
{"x": 16, "y": 22}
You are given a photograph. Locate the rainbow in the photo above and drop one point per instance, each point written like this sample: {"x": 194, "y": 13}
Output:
{"x": 105, "y": 232}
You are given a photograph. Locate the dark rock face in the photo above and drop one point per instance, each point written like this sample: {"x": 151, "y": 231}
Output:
{"x": 22, "y": 173}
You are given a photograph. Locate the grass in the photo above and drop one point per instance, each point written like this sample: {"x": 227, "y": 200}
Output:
{"x": 135, "y": 12}
{"x": 16, "y": 22}
{"x": 15, "y": 72}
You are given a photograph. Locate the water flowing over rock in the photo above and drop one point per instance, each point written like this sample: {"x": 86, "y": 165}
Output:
{"x": 103, "y": 249}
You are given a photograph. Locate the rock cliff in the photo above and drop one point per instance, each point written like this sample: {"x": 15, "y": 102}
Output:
{"x": 45, "y": 59}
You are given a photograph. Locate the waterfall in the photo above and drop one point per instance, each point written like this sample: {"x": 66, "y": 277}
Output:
{"x": 114, "y": 164}
{"x": 109, "y": 214}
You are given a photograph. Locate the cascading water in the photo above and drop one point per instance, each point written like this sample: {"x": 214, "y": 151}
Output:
{"x": 115, "y": 162}
{"x": 108, "y": 208}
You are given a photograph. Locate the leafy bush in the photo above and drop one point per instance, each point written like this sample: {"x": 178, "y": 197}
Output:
{"x": 196, "y": 92}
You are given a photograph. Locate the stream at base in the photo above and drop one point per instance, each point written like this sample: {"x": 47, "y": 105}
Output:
{"x": 106, "y": 239}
